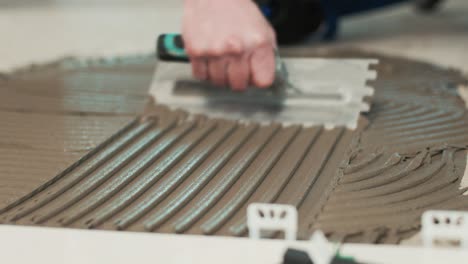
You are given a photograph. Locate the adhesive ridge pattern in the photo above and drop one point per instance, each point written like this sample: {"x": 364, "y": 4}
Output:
{"x": 169, "y": 172}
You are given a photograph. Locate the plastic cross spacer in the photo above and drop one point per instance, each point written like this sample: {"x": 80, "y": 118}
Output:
{"x": 272, "y": 217}
{"x": 321, "y": 250}
{"x": 445, "y": 226}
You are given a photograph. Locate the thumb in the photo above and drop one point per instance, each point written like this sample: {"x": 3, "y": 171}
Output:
{"x": 262, "y": 64}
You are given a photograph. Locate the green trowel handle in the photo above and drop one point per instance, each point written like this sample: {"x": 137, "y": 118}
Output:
{"x": 171, "y": 48}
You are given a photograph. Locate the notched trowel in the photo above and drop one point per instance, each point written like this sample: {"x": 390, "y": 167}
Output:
{"x": 306, "y": 91}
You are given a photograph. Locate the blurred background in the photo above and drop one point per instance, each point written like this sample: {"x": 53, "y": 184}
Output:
{"x": 35, "y": 31}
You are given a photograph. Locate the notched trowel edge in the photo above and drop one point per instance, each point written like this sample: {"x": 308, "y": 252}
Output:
{"x": 328, "y": 92}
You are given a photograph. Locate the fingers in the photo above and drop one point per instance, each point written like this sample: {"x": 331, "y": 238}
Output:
{"x": 238, "y": 73}
{"x": 200, "y": 69}
{"x": 233, "y": 62}
{"x": 217, "y": 71}
{"x": 233, "y": 71}
{"x": 212, "y": 64}
{"x": 262, "y": 64}
{"x": 229, "y": 42}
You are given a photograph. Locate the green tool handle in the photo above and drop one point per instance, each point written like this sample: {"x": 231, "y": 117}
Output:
{"x": 170, "y": 47}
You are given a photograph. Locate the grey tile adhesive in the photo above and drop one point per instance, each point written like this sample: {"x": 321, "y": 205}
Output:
{"x": 171, "y": 172}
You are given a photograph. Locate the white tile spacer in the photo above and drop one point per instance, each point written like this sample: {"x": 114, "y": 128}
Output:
{"x": 448, "y": 226}
{"x": 272, "y": 217}
{"x": 321, "y": 251}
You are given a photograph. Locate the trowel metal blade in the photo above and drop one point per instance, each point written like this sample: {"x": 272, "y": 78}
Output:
{"x": 326, "y": 92}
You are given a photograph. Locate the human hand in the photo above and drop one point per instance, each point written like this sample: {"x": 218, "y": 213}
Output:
{"x": 229, "y": 42}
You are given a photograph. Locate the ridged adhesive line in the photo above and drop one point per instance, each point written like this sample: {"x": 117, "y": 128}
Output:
{"x": 256, "y": 174}
{"x": 389, "y": 189}
{"x": 392, "y": 161}
{"x": 140, "y": 208}
{"x": 230, "y": 173}
{"x": 202, "y": 177}
{"x": 366, "y": 162}
{"x": 91, "y": 183}
{"x": 280, "y": 175}
{"x": 82, "y": 171}
{"x": 367, "y": 209}
{"x": 153, "y": 174}
{"x": 384, "y": 214}
{"x": 402, "y": 108}
{"x": 410, "y": 114}
{"x": 382, "y": 179}
{"x": 394, "y": 198}
{"x": 124, "y": 177}
{"x": 178, "y": 174}
{"x": 437, "y": 117}
{"x": 426, "y": 130}
{"x": 329, "y": 174}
